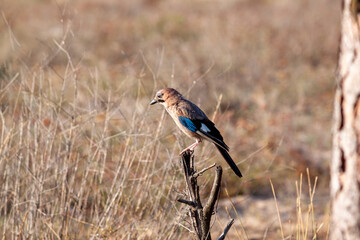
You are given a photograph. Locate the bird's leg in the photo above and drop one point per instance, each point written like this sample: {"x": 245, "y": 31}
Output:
{"x": 192, "y": 146}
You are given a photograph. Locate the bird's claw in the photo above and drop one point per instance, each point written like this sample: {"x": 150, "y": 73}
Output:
{"x": 186, "y": 150}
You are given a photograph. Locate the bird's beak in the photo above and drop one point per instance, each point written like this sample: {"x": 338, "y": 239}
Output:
{"x": 153, "y": 102}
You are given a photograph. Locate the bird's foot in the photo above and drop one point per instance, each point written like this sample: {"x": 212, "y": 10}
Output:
{"x": 185, "y": 150}
{"x": 191, "y": 147}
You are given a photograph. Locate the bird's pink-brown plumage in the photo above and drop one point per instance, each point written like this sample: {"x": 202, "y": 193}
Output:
{"x": 193, "y": 122}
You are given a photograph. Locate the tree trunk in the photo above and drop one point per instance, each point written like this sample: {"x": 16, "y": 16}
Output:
{"x": 345, "y": 168}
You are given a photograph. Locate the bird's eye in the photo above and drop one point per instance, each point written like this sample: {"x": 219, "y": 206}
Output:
{"x": 159, "y": 95}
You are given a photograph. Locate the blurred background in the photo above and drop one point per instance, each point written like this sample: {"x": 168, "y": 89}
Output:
{"x": 82, "y": 153}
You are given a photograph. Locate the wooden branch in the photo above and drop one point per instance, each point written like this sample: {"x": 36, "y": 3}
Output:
{"x": 210, "y": 204}
{"x": 200, "y": 217}
{"x": 226, "y": 230}
{"x": 193, "y": 191}
{"x": 187, "y": 202}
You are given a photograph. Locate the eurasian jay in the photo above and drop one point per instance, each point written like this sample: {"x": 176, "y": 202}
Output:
{"x": 193, "y": 122}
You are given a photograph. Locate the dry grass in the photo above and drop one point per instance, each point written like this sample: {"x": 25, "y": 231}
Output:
{"x": 283, "y": 217}
{"x": 83, "y": 156}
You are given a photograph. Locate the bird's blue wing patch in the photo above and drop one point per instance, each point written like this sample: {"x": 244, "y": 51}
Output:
{"x": 186, "y": 122}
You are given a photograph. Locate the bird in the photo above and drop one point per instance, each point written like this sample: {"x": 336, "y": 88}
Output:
{"x": 193, "y": 122}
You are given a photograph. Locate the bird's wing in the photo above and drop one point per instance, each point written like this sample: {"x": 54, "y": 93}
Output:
{"x": 189, "y": 124}
{"x": 204, "y": 128}
{"x": 207, "y": 130}
{"x": 187, "y": 109}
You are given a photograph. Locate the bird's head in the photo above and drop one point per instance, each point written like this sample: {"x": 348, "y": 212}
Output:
{"x": 166, "y": 96}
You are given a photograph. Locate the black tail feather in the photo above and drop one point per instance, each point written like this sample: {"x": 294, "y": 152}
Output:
{"x": 229, "y": 160}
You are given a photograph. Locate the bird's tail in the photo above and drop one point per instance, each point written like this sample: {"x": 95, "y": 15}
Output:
{"x": 229, "y": 160}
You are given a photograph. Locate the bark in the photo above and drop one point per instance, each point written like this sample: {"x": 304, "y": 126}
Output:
{"x": 345, "y": 168}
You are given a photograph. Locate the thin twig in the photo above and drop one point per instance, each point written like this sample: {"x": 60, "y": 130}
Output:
{"x": 226, "y": 230}
{"x": 204, "y": 170}
{"x": 187, "y": 202}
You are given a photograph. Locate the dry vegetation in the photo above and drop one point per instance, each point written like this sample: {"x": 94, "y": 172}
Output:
{"x": 83, "y": 156}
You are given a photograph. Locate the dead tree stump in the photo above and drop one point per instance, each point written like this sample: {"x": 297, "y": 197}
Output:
{"x": 201, "y": 216}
